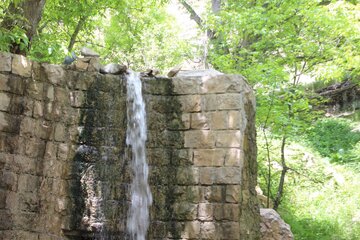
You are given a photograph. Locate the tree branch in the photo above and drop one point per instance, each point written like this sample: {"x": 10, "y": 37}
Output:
{"x": 193, "y": 14}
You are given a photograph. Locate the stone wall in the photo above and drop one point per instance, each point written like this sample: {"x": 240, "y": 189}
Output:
{"x": 64, "y": 162}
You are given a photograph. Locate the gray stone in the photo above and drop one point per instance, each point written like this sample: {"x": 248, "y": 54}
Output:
{"x": 272, "y": 227}
{"x": 87, "y": 52}
{"x": 113, "y": 68}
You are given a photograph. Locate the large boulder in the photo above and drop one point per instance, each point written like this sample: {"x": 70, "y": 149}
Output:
{"x": 272, "y": 227}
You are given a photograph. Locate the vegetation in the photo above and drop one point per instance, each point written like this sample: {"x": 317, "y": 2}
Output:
{"x": 308, "y": 165}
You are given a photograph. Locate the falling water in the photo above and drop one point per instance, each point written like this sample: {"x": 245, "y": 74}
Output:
{"x": 141, "y": 199}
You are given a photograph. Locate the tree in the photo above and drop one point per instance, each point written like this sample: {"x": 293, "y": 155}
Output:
{"x": 24, "y": 15}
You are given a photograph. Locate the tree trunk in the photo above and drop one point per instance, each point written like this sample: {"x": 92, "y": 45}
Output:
{"x": 76, "y": 32}
{"x": 31, "y": 11}
{"x": 282, "y": 177}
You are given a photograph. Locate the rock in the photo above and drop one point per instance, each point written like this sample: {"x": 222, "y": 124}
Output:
{"x": 21, "y": 66}
{"x": 150, "y": 73}
{"x": 173, "y": 72}
{"x": 87, "y": 52}
{"x": 113, "y": 68}
{"x": 5, "y": 62}
{"x": 68, "y": 60}
{"x": 198, "y": 73}
{"x": 272, "y": 227}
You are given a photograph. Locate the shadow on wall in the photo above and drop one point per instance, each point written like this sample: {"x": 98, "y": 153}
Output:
{"x": 171, "y": 174}
{"x": 101, "y": 176}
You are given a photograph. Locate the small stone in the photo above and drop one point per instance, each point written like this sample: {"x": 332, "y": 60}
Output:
{"x": 94, "y": 65}
{"x": 113, "y": 68}
{"x": 174, "y": 71}
{"x": 81, "y": 65}
{"x": 87, "y": 52}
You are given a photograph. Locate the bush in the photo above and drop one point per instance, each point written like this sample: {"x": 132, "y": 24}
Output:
{"x": 335, "y": 139}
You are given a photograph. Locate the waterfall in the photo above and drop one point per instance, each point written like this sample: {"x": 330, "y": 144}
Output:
{"x": 141, "y": 198}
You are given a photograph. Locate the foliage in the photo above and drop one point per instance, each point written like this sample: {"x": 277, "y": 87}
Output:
{"x": 321, "y": 199}
{"x": 335, "y": 139}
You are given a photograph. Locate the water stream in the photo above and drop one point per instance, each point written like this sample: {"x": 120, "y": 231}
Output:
{"x": 141, "y": 198}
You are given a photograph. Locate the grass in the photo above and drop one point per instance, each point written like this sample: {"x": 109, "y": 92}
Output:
{"x": 322, "y": 195}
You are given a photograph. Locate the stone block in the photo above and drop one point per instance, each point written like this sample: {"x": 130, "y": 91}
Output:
{"x": 199, "y": 139}
{"x": 189, "y": 85}
{"x": 217, "y": 175}
{"x": 77, "y": 98}
{"x": 185, "y": 119}
{"x": 94, "y": 65}
{"x": 209, "y": 157}
{"x": 233, "y": 193}
{"x": 191, "y": 230}
{"x": 187, "y": 175}
{"x": 228, "y": 175}
{"x": 35, "y": 89}
{"x": 185, "y": 211}
{"x": 191, "y": 194}
{"x": 81, "y": 64}
{"x": 60, "y": 133}
{"x": 213, "y": 193}
{"x": 23, "y": 164}
{"x": 190, "y": 103}
{"x": 9, "y": 123}
{"x": 206, "y": 212}
{"x": 28, "y": 183}
{"x": 21, "y": 66}
{"x": 4, "y": 101}
{"x": 16, "y": 84}
{"x": 199, "y": 121}
{"x": 28, "y": 126}
{"x": 9, "y": 180}
{"x": 50, "y": 93}
{"x": 63, "y": 152}
{"x": 218, "y": 120}
{"x": 3, "y": 194}
{"x": 34, "y": 147}
{"x": 234, "y": 157}
{"x": 29, "y": 202}
{"x": 222, "y": 84}
{"x": 61, "y": 95}
{"x": 236, "y": 120}
{"x": 38, "y": 111}
{"x": 55, "y": 74}
{"x": 5, "y": 62}
{"x": 4, "y": 82}
{"x": 208, "y": 231}
{"x": 226, "y": 211}
{"x": 228, "y": 138}
{"x": 228, "y": 230}
{"x": 228, "y": 101}
{"x": 44, "y": 130}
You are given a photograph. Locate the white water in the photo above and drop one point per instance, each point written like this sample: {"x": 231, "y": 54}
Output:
{"x": 141, "y": 198}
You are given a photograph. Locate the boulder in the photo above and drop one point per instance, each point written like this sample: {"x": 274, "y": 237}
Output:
{"x": 272, "y": 227}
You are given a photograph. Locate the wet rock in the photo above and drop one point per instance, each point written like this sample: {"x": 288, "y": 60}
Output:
{"x": 113, "y": 68}
{"x": 272, "y": 227}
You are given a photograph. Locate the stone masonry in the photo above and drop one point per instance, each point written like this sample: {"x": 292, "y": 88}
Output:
{"x": 65, "y": 166}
